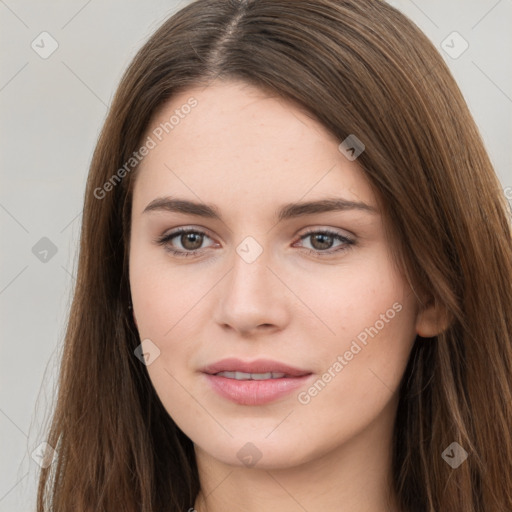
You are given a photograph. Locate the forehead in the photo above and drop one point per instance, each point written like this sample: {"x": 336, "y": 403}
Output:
{"x": 242, "y": 145}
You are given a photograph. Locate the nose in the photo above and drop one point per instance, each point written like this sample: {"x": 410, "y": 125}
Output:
{"x": 253, "y": 297}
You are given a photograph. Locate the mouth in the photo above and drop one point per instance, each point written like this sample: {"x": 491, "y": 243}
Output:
{"x": 257, "y": 370}
{"x": 254, "y": 383}
{"x": 251, "y": 376}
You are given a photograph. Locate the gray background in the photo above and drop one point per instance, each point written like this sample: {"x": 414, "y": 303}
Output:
{"x": 52, "y": 110}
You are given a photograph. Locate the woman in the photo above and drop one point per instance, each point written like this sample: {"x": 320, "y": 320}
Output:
{"x": 295, "y": 282}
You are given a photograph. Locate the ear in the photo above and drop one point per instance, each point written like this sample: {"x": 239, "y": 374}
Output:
{"x": 432, "y": 320}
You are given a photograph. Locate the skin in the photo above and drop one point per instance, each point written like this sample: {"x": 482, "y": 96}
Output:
{"x": 249, "y": 153}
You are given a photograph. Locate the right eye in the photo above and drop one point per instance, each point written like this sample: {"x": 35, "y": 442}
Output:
{"x": 189, "y": 239}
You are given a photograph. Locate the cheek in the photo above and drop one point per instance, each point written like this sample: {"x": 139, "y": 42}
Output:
{"x": 360, "y": 299}
{"x": 163, "y": 302}
{"x": 370, "y": 312}
{"x": 169, "y": 302}
{"x": 164, "y": 298}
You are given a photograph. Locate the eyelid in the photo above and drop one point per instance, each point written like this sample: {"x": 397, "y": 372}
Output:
{"x": 331, "y": 231}
{"x": 173, "y": 233}
{"x": 185, "y": 229}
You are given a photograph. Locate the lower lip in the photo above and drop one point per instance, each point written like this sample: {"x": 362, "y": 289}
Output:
{"x": 255, "y": 392}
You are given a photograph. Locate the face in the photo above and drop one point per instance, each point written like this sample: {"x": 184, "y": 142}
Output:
{"x": 276, "y": 325}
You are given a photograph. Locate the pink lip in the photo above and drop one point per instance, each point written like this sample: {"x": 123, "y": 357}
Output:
{"x": 254, "y": 392}
{"x": 258, "y": 366}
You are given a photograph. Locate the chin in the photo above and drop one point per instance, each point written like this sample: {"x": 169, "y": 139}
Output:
{"x": 258, "y": 453}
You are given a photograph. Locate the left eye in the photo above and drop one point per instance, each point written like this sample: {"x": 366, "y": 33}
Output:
{"x": 323, "y": 240}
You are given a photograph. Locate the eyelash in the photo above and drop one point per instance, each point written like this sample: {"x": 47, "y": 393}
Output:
{"x": 165, "y": 239}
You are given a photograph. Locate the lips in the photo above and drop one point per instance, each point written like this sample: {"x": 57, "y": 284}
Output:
{"x": 254, "y": 383}
{"x": 251, "y": 376}
{"x": 260, "y": 366}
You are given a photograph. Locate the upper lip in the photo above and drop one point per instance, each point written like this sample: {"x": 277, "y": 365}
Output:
{"x": 257, "y": 366}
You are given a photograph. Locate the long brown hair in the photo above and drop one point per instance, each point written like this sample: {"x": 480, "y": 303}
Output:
{"x": 359, "y": 67}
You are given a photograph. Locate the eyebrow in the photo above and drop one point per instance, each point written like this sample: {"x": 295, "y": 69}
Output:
{"x": 287, "y": 211}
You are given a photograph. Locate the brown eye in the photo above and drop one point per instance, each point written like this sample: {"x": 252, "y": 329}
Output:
{"x": 183, "y": 242}
{"x": 191, "y": 241}
{"x": 321, "y": 241}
